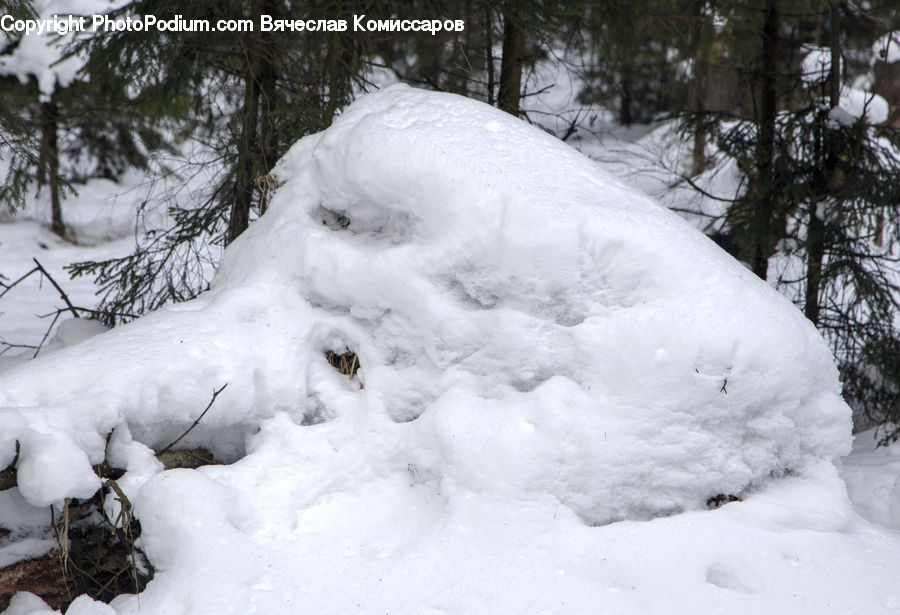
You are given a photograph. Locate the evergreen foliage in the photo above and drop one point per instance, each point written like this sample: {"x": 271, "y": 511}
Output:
{"x": 77, "y": 131}
{"x": 817, "y": 212}
{"x": 633, "y": 45}
{"x": 247, "y": 96}
{"x": 513, "y": 34}
{"x": 19, "y": 140}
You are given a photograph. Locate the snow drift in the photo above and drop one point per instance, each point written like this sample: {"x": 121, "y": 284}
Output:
{"x": 525, "y": 326}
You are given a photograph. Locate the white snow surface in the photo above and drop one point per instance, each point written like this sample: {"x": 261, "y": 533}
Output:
{"x": 543, "y": 350}
{"x": 873, "y": 479}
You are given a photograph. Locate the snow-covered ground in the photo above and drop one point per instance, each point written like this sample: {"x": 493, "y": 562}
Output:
{"x": 555, "y": 374}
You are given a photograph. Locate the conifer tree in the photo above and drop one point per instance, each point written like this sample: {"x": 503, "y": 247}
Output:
{"x": 246, "y": 96}
{"x": 819, "y": 201}
{"x": 633, "y": 43}
{"x": 490, "y": 58}
{"x": 57, "y": 128}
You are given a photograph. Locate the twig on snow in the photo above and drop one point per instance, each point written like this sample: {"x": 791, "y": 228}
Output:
{"x": 197, "y": 422}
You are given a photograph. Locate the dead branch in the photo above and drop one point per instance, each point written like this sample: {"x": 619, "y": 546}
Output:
{"x": 197, "y": 422}
{"x": 8, "y": 475}
{"x": 62, "y": 293}
{"x": 61, "y": 528}
{"x": 9, "y": 287}
{"x": 8, "y": 345}
{"x": 56, "y": 314}
{"x": 90, "y": 311}
{"x": 46, "y": 335}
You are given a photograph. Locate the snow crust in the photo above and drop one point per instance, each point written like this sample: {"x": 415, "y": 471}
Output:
{"x": 542, "y": 350}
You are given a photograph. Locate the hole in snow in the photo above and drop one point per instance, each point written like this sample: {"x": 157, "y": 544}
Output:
{"x": 335, "y": 220}
{"x": 405, "y": 415}
{"x": 726, "y": 578}
{"x": 527, "y": 383}
{"x": 721, "y": 500}
{"x": 385, "y": 225}
{"x": 347, "y": 363}
{"x": 316, "y": 414}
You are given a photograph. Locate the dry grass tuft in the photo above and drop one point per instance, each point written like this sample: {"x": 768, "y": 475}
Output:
{"x": 346, "y": 363}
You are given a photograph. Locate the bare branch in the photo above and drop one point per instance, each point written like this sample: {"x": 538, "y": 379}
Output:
{"x": 62, "y": 293}
{"x": 46, "y": 335}
{"x": 197, "y": 422}
{"x": 8, "y": 287}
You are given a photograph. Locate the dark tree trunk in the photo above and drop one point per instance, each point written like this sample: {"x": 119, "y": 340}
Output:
{"x": 246, "y": 165}
{"x": 50, "y": 163}
{"x": 815, "y": 233}
{"x": 335, "y": 52}
{"x": 267, "y": 130}
{"x": 764, "y": 207}
{"x": 835, "y": 43}
{"x": 268, "y": 107}
{"x": 489, "y": 52}
{"x": 699, "y": 92}
{"x": 625, "y": 116}
{"x": 459, "y": 51}
{"x": 699, "y": 161}
{"x": 815, "y": 255}
{"x": 511, "y": 67}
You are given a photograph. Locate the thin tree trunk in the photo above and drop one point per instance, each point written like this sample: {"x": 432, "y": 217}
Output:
{"x": 268, "y": 104}
{"x": 835, "y": 42}
{"x": 625, "y": 116}
{"x": 699, "y": 91}
{"x": 460, "y": 51}
{"x": 489, "y": 53}
{"x": 699, "y": 161}
{"x": 763, "y": 230}
{"x": 50, "y": 163}
{"x": 815, "y": 232}
{"x": 267, "y": 138}
{"x": 511, "y": 67}
{"x": 245, "y": 172}
{"x": 815, "y": 255}
{"x": 335, "y": 54}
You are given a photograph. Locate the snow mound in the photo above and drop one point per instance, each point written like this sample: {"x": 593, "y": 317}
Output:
{"x": 524, "y": 326}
